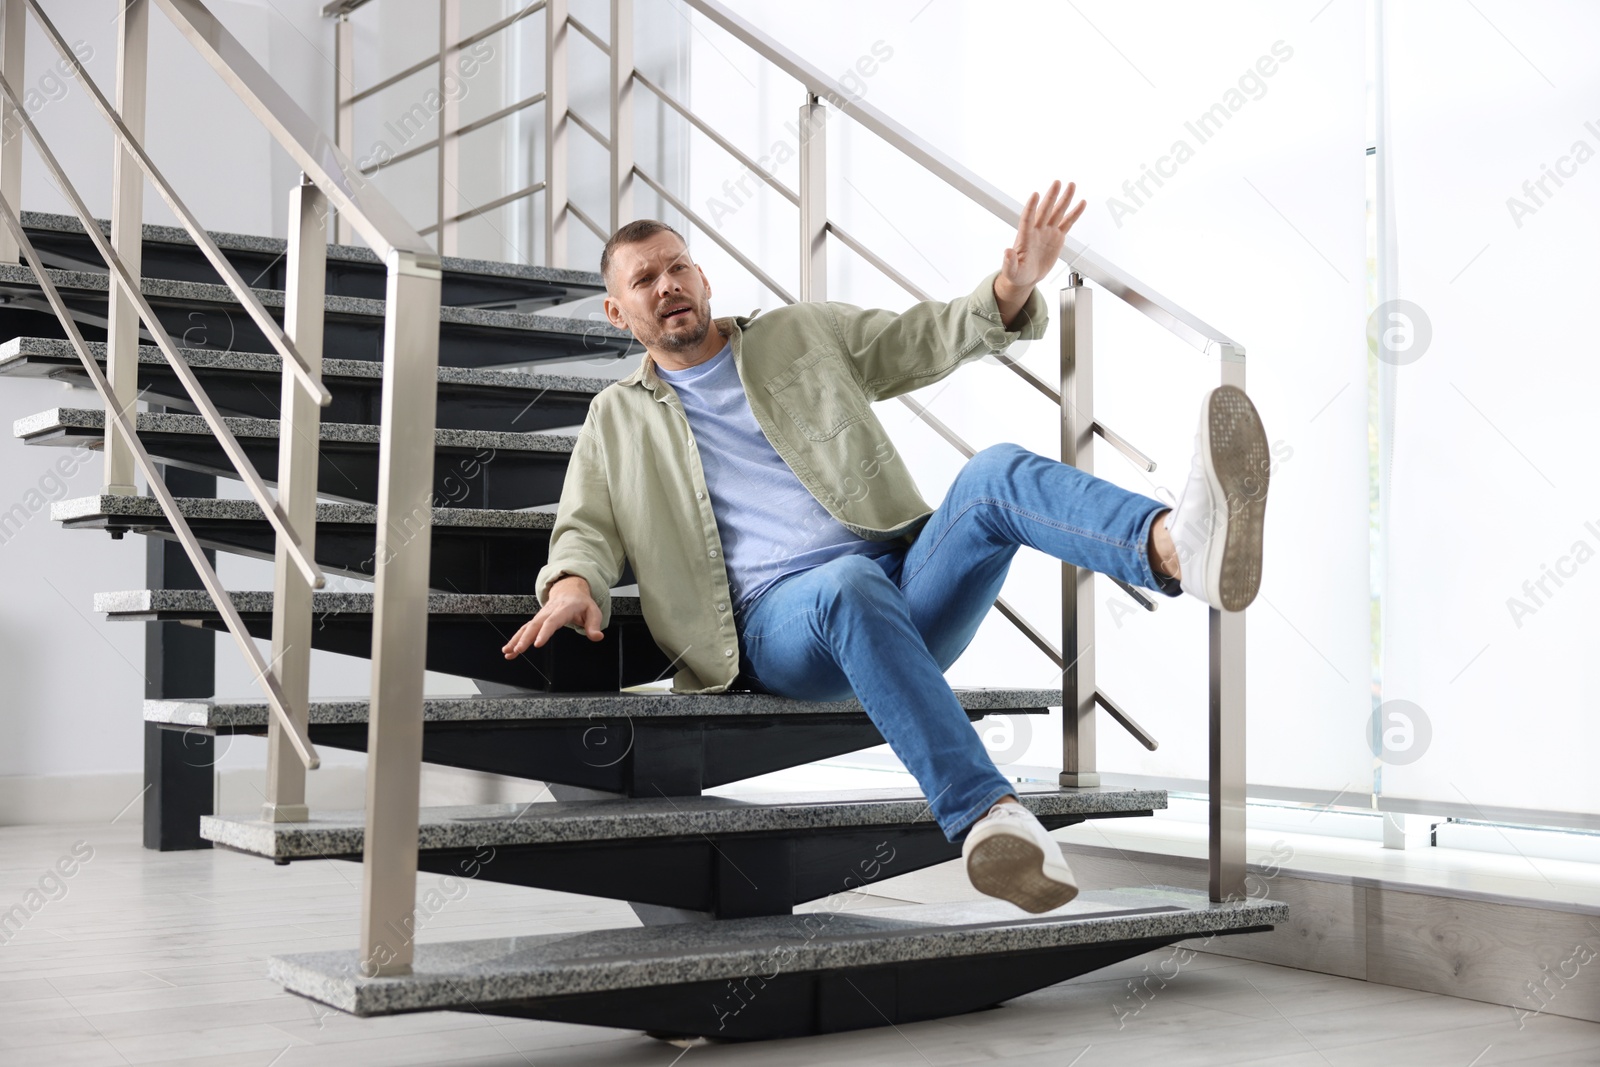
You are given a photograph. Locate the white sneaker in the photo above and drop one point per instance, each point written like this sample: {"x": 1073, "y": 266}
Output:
{"x": 1010, "y": 855}
{"x": 1217, "y": 523}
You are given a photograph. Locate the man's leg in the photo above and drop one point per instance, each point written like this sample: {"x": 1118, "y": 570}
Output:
{"x": 844, "y": 628}
{"x": 1006, "y": 497}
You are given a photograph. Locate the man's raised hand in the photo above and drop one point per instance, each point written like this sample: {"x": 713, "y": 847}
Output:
{"x": 1040, "y": 236}
{"x": 569, "y": 603}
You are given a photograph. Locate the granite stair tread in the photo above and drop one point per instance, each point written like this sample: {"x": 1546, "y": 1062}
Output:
{"x": 250, "y": 249}
{"x": 579, "y": 707}
{"x": 55, "y": 422}
{"x": 174, "y": 603}
{"x": 341, "y": 833}
{"x": 135, "y": 508}
{"x": 353, "y": 325}
{"x": 500, "y": 971}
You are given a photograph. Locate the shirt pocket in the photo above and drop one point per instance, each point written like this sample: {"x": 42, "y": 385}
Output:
{"x": 820, "y": 393}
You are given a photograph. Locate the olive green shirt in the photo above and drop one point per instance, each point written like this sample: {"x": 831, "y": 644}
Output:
{"x": 635, "y": 490}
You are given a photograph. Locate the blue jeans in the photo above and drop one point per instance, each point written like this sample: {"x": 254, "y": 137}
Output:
{"x": 884, "y": 629}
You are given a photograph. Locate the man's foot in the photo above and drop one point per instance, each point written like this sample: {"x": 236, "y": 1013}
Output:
{"x": 1010, "y": 855}
{"x": 1217, "y": 523}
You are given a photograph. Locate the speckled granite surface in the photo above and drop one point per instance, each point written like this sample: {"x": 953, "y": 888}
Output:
{"x": 198, "y": 602}
{"x": 348, "y": 253}
{"x": 577, "y": 706}
{"x": 19, "y": 351}
{"x": 351, "y": 432}
{"x": 146, "y": 507}
{"x": 469, "y": 826}
{"x": 462, "y": 973}
{"x": 15, "y": 274}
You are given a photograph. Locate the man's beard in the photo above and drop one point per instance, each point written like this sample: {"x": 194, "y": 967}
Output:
{"x": 678, "y": 342}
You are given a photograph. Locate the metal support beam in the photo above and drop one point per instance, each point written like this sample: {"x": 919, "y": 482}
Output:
{"x": 400, "y": 615}
{"x": 449, "y": 155}
{"x": 621, "y": 112}
{"x": 127, "y": 234}
{"x": 813, "y": 199}
{"x": 300, "y": 417}
{"x": 555, "y": 134}
{"x": 1078, "y": 765}
{"x": 344, "y": 108}
{"x": 1227, "y": 724}
{"x": 13, "y": 36}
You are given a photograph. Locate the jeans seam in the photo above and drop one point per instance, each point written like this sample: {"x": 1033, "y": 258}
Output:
{"x": 977, "y": 811}
{"x": 1112, "y": 542}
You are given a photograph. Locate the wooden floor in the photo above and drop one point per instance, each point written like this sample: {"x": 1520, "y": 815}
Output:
{"x": 142, "y": 957}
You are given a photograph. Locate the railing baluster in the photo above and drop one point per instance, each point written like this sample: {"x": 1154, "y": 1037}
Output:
{"x": 13, "y": 37}
{"x": 621, "y": 112}
{"x": 300, "y": 417}
{"x": 1227, "y": 722}
{"x": 1078, "y": 756}
{"x": 127, "y": 235}
{"x": 344, "y": 108}
{"x": 555, "y": 134}
{"x": 400, "y": 613}
{"x": 449, "y": 155}
{"x": 813, "y": 199}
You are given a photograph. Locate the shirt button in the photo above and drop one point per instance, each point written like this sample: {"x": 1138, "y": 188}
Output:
{"x": 722, "y": 607}
{"x": 713, "y": 553}
{"x": 729, "y": 652}
{"x": 699, "y": 496}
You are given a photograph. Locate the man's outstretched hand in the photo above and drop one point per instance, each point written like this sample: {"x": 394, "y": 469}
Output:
{"x": 569, "y": 603}
{"x": 1040, "y": 237}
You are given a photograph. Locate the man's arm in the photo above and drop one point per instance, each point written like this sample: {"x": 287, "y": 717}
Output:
{"x": 896, "y": 352}
{"x": 586, "y": 552}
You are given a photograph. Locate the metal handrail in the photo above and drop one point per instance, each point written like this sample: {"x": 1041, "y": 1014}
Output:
{"x": 975, "y": 188}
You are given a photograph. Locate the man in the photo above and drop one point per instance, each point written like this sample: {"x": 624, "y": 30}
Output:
{"x": 779, "y": 540}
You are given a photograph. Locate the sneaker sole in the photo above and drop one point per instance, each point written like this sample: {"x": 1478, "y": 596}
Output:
{"x": 1010, "y": 868}
{"x": 1238, "y": 465}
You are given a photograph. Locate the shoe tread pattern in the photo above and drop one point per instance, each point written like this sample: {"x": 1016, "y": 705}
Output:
{"x": 1240, "y": 457}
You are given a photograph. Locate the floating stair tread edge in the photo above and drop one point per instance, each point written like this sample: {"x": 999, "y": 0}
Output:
{"x": 18, "y": 350}
{"x": 246, "y": 242}
{"x": 211, "y": 293}
{"x": 454, "y": 974}
{"x": 148, "y": 507}
{"x": 64, "y": 418}
{"x": 259, "y": 601}
{"x": 582, "y": 707}
{"x": 341, "y": 833}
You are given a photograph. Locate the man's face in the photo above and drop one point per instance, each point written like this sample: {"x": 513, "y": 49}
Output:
{"x": 658, "y": 293}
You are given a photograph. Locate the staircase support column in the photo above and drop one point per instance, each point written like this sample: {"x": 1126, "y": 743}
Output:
{"x": 1227, "y": 715}
{"x": 300, "y": 424}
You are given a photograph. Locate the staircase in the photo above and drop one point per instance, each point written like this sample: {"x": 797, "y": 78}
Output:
{"x": 716, "y": 880}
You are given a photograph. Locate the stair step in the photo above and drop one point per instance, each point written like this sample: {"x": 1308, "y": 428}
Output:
{"x": 721, "y": 856}
{"x": 169, "y": 252}
{"x": 776, "y": 976}
{"x": 635, "y": 744}
{"x": 475, "y": 550}
{"x": 199, "y": 315}
{"x": 250, "y": 384}
{"x": 472, "y": 468}
{"x": 465, "y": 634}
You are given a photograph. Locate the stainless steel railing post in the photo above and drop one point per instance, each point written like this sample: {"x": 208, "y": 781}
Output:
{"x": 400, "y": 613}
{"x": 449, "y": 153}
{"x": 813, "y": 199}
{"x": 13, "y": 38}
{"x": 1078, "y": 758}
{"x": 127, "y": 235}
{"x": 1226, "y": 692}
{"x": 300, "y": 418}
{"x": 621, "y": 112}
{"x": 555, "y": 134}
{"x": 344, "y": 109}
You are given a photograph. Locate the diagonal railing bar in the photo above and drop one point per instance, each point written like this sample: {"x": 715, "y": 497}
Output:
{"x": 269, "y": 326}
{"x": 202, "y": 401}
{"x": 720, "y": 141}
{"x": 710, "y": 231}
{"x": 119, "y": 422}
